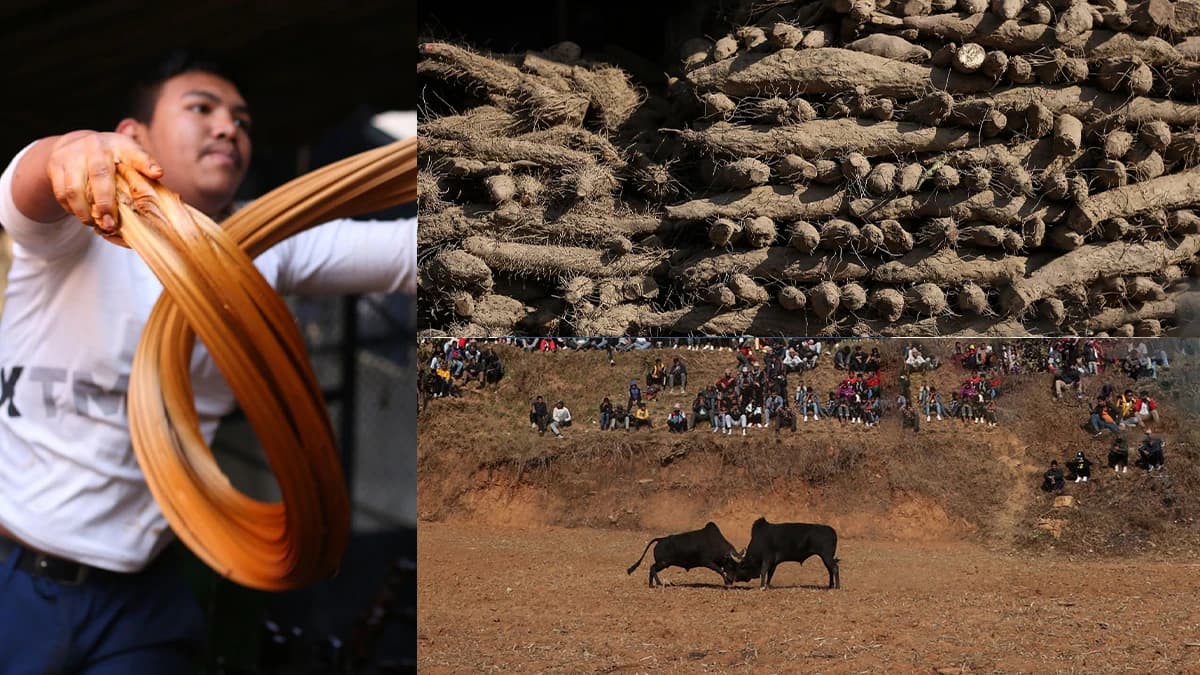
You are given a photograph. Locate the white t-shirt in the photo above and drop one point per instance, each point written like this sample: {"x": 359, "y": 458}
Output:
{"x": 76, "y": 305}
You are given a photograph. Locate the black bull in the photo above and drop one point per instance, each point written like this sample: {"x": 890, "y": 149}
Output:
{"x": 698, "y": 548}
{"x": 774, "y": 543}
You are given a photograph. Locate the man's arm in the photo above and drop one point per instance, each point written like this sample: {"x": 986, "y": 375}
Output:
{"x": 347, "y": 256}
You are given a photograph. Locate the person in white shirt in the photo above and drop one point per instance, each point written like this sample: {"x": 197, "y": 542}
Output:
{"x": 81, "y": 584}
{"x": 560, "y": 418}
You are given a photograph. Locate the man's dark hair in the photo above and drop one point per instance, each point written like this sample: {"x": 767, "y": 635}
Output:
{"x": 144, "y": 95}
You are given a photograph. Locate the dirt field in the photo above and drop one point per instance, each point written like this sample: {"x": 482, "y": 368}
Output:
{"x": 559, "y": 600}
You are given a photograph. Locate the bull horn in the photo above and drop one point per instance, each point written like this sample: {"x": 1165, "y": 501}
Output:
{"x": 737, "y": 557}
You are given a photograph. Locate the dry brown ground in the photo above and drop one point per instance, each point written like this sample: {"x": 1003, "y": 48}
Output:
{"x": 552, "y": 599}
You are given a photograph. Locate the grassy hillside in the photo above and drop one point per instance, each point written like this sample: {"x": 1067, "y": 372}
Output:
{"x": 478, "y": 459}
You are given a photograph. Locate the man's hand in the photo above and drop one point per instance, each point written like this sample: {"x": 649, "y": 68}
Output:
{"x": 81, "y": 168}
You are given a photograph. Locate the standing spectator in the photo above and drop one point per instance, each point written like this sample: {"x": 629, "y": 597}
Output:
{"x": 677, "y": 421}
{"x": 539, "y": 416}
{"x": 606, "y": 414}
{"x": 701, "y": 411}
{"x": 1079, "y": 468}
{"x": 1052, "y": 480}
{"x": 635, "y": 395}
{"x": 678, "y": 375}
{"x": 560, "y": 418}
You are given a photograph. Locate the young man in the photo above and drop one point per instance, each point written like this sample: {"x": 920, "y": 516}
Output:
{"x": 1150, "y": 453}
{"x": 539, "y": 415}
{"x": 677, "y": 421}
{"x": 82, "y": 588}
{"x": 560, "y": 418}
{"x": 1052, "y": 480}
{"x": 1080, "y": 468}
{"x": 1118, "y": 455}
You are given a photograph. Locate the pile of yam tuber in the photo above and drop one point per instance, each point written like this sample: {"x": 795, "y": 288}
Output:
{"x": 862, "y": 167}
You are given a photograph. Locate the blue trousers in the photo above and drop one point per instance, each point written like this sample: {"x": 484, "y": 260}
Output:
{"x": 145, "y": 623}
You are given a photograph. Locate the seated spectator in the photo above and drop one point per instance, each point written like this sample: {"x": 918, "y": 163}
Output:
{"x": 771, "y": 407}
{"x": 915, "y": 360}
{"x": 677, "y": 421}
{"x": 1126, "y": 407}
{"x": 1102, "y": 418}
{"x": 1079, "y": 468}
{"x": 784, "y": 416}
{"x": 678, "y": 375}
{"x": 811, "y": 404}
{"x": 994, "y": 385}
{"x": 560, "y": 418}
{"x": 657, "y": 374}
{"x": 830, "y": 407}
{"x": 792, "y": 361}
{"x": 843, "y": 412}
{"x": 1118, "y": 455}
{"x": 651, "y": 392}
{"x": 1150, "y": 454}
{"x": 841, "y": 358}
{"x": 1147, "y": 408}
{"x": 874, "y": 361}
{"x": 1052, "y": 480}
{"x": 606, "y": 414}
{"x": 990, "y": 412}
{"x": 872, "y": 385}
{"x": 871, "y": 412}
{"x": 966, "y": 412}
{"x": 754, "y": 415}
{"x": 539, "y": 416}
{"x": 1068, "y": 377}
{"x": 641, "y": 416}
{"x": 701, "y": 411}
{"x": 726, "y": 382}
{"x": 720, "y": 415}
{"x": 620, "y": 418}
{"x": 934, "y": 404}
{"x": 491, "y": 369}
{"x": 910, "y": 417}
{"x": 858, "y": 360}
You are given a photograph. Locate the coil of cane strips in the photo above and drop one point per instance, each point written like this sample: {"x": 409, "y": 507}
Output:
{"x": 211, "y": 289}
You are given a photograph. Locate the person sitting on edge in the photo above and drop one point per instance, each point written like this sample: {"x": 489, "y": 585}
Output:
{"x": 560, "y": 418}
{"x": 1079, "y": 468}
{"x": 1052, "y": 480}
{"x": 620, "y": 418}
{"x": 641, "y": 416}
{"x": 677, "y": 421}
{"x": 1118, "y": 455}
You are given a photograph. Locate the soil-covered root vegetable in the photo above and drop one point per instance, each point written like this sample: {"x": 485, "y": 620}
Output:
{"x": 1053, "y": 310}
{"x": 1061, "y": 68}
{"x": 1056, "y": 185}
{"x": 1020, "y": 70}
{"x": 776, "y": 263}
{"x": 855, "y": 166}
{"x": 931, "y": 109}
{"x": 1155, "y": 135}
{"x": 1064, "y": 239}
{"x": 949, "y": 269}
{"x": 694, "y": 52}
{"x": 995, "y": 65}
{"x": 837, "y": 234}
{"x": 777, "y": 202}
{"x": 830, "y": 71}
{"x": 890, "y": 47}
{"x": 1143, "y": 288}
{"x": 1033, "y": 233}
{"x": 926, "y": 298}
{"x": 724, "y": 232}
{"x": 747, "y": 290}
{"x": 829, "y": 137}
{"x": 896, "y": 239}
{"x": 496, "y": 149}
{"x": 1125, "y": 74}
{"x": 802, "y": 110}
{"x": 1121, "y": 321}
{"x": 501, "y": 188}
{"x": 1144, "y": 163}
{"x": 533, "y": 260}
{"x": 945, "y": 177}
{"x": 740, "y": 174}
{"x": 724, "y": 48}
{"x": 1117, "y": 143}
{"x": 577, "y": 289}
{"x": 792, "y": 298}
{"x": 882, "y": 179}
{"x": 719, "y": 295}
{"x": 1116, "y": 229}
{"x": 829, "y": 172}
{"x": 972, "y": 299}
{"x": 785, "y": 35}
{"x": 803, "y": 236}
{"x": 1067, "y": 134}
{"x": 1007, "y": 9}
{"x": 991, "y": 206}
{"x": 978, "y": 115}
{"x": 1038, "y": 120}
{"x": 824, "y": 299}
{"x": 1095, "y": 261}
{"x": 887, "y": 303}
{"x": 968, "y": 58}
{"x": 908, "y": 179}
{"x": 718, "y": 105}
{"x": 1183, "y": 221}
{"x": 759, "y": 232}
{"x": 795, "y": 168}
{"x": 984, "y": 236}
{"x": 1184, "y": 149}
{"x": 750, "y": 36}
{"x": 462, "y": 303}
{"x": 871, "y": 238}
{"x": 457, "y": 269}
{"x": 773, "y": 110}
{"x": 976, "y": 178}
{"x": 854, "y": 297}
{"x": 1173, "y": 191}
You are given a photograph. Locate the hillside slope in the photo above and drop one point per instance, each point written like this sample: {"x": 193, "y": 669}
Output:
{"x": 478, "y": 459}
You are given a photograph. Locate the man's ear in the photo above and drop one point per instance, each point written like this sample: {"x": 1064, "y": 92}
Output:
{"x": 131, "y": 127}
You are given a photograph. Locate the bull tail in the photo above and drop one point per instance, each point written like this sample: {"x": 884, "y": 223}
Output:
{"x": 634, "y": 566}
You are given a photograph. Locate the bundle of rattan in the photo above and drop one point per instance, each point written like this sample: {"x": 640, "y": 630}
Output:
{"x": 211, "y": 289}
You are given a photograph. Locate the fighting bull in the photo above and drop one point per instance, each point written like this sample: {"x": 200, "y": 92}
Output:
{"x": 699, "y": 548}
{"x": 774, "y": 543}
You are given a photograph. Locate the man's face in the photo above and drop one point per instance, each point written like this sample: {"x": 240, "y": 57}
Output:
{"x": 200, "y": 135}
